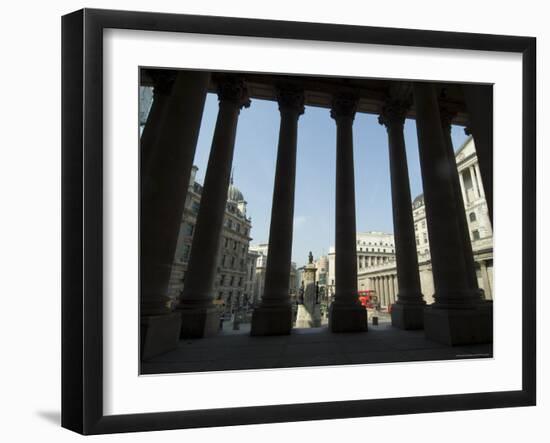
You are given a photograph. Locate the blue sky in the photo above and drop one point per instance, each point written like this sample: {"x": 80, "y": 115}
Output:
{"x": 254, "y": 170}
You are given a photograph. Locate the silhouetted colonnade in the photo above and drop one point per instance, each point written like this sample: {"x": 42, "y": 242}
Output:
{"x": 458, "y": 315}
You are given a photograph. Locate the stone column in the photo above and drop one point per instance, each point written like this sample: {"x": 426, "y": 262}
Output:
{"x": 199, "y": 316}
{"x": 163, "y": 191}
{"x": 346, "y": 313}
{"x": 446, "y": 119}
{"x": 486, "y": 282}
{"x": 408, "y": 312}
{"x": 479, "y": 102}
{"x": 463, "y": 189}
{"x": 274, "y": 315}
{"x": 474, "y": 182}
{"x": 458, "y": 315}
{"x": 387, "y": 288}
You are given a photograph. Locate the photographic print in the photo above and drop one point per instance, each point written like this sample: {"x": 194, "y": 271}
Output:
{"x": 287, "y": 211}
{"x": 296, "y": 221}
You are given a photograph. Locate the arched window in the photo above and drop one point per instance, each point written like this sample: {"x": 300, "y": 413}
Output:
{"x": 472, "y": 216}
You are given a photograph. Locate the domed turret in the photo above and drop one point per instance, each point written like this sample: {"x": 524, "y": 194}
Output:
{"x": 233, "y": 193}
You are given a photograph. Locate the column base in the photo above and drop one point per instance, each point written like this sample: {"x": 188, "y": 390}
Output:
{"x": 459, "y": 326}
{"x": 159, "y": 334}
{"x": 271, "y": 321}
{"x": 199, "y": 322}
{"x": 347, "y": 318}
{"x": 408, "y": 316}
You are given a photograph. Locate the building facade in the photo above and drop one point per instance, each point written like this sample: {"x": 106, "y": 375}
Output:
{"x": 261, "y": 251}
{"x": 375, "y": 253}
{"x": 234, "y": 281}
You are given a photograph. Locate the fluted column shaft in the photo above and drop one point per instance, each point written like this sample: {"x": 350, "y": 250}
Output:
{"x": 352, "y": 315}
{"x": 197, "y": 292}
{"x": 452, "y": 288}
{"x": 274, "y": 315}
{"x": 164, "y": 184}
{"x": 277, "y": 276}
{"x": 408, "y": 311}
{"x": 393, "y": 117}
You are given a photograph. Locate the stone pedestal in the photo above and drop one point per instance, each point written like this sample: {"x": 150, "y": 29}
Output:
{"x": 408, "y": 312}
{"x": 309, "y": 309}
{"x": 306, "y": 318}
{"x": 460, "y": 326}
{"x": 159, "y": 334}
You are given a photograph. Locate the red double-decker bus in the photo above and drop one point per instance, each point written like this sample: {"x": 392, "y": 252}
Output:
{"x": 368, "y": 298}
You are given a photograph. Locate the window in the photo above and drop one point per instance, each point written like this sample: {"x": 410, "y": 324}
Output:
{"x": 476, "y": 235}
{"x": 425, "y": 238}
{"x": 226, "y": 242}
{"x": 195, "y": 206}
{"x": 232, "y": 280}
{"x": 185, "y": 252}
{"x": 473, "y": 216}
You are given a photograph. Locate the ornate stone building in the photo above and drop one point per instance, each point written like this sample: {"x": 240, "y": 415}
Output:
{"x": 382, "y": 278}
{"x": 261, "y": 251}
{"x": 232, "y": 283}
{"x": 375, "y": 250}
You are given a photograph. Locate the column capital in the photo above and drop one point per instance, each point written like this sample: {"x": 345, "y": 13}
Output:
{"x": 344, "y": 106}
{"x": 163, "y": 81}
{"x": 447, "y": 115}
{"x": 234, "y": 90}
{"x": 393, "y": 112}
{"x": 290, "y": 99}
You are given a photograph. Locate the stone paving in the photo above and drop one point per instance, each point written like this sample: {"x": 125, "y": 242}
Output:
{"x": 237, "y": 350}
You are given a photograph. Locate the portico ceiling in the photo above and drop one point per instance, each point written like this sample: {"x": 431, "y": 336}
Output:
{"x": 319, "y": 91}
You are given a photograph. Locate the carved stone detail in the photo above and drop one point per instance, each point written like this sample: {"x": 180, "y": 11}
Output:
{"x": 344, "y": 106}
{"x": 393, "y": 112}
{"x": 290, "y": 98}
{"x": 233, "y": 89}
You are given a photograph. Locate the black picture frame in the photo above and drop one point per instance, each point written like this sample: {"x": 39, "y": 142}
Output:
{"x": 82, "y": 218}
